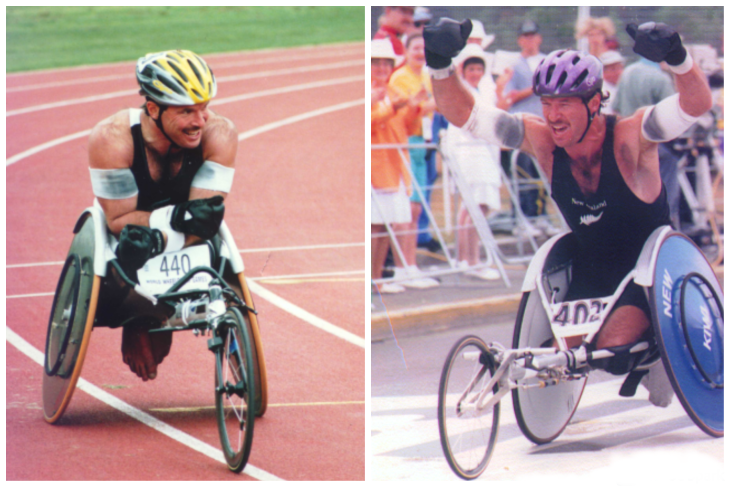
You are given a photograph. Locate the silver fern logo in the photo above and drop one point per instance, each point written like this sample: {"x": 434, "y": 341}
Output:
{"x": 590, "y": 219}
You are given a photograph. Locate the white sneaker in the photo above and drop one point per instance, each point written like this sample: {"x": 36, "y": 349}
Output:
{"x": 487, "y": 274}
{"x": 658, "y": 385}
{"x": 391, "y": 288}
{"x": 415, "y": 281}
{"x": 421, "y": 283}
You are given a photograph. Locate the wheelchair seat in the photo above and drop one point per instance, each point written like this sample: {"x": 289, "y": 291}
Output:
{"x": 74, "y": 309}
{"x": 685, "y": 300}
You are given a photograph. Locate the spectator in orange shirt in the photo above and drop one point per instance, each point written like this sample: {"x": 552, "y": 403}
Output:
{"x": 392, "y": 118}
{"x": 394, "y": 23}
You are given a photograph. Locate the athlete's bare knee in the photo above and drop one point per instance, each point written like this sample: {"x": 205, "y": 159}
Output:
{"x": 625, "y": 325}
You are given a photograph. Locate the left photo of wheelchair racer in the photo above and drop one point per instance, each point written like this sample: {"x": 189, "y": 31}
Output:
{"x": 161, "y": 174}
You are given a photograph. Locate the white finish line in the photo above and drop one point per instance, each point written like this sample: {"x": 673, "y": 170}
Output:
{"x": 149, "y": 420}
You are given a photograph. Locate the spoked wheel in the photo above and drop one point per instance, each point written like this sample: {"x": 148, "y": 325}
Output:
{"x": 234, "y": 388}
{"x": 467, "y": 435}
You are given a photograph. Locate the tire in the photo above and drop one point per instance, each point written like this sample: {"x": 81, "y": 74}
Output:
{"x": 542, "y": 414}
{"x": 70, "y": 323}
{"x": 63, "y": 312}
{"x": 234, "y": 388}
{"x": 688, "y": 318}
{"x": 238, "y": 283}
{"x": 467, "y": 438}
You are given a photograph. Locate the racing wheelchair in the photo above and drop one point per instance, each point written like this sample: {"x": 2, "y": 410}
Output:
{"x": 547, "y": 381}
{"x": 204, "y": 290}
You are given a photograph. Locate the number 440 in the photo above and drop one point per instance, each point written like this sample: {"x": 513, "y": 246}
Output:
{"x": 179, "y": 266}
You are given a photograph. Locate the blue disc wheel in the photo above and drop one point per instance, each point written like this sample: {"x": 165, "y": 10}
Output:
{"x": 688, "y": 319}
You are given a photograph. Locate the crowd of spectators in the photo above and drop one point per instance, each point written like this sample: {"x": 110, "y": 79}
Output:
{"x": 408, "y": 97}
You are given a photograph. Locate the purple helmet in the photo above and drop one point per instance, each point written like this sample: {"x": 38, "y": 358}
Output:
{"x": 568, "y": 73}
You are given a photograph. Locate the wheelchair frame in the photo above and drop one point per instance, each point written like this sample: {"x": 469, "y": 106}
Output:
{"x": 218, "y": 310}
{"x": 546, "y": 382}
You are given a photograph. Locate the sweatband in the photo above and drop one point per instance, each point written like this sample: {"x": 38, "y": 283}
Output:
{"x": 214, "y": 176}
{"x": 496, "y": 126}
{"x": 442, "y": 73}
{"x": 666, "y": 120}
{"x": 683, "y": 68}
{"x": 160, "y": 220}
{"x": 113, "y": 184}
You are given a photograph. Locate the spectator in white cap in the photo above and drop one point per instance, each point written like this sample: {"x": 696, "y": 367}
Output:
{"x": 478, "y": 35}
{"x": 392, "y": 117}
{"x": 613, "y": 66}
{"x": 393, "y": 23}
{"x": 478, "y": 162}
{"x": 421, "y": 17}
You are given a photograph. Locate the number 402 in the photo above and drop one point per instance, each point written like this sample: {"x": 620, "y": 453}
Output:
{"x": 578, "y": 312}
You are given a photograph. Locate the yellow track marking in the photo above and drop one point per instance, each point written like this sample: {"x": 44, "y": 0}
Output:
{"x": 295, "y": 404}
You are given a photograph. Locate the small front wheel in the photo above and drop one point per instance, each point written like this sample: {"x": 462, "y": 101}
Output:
{"x": 468, "y": 435}
{"x": 234, "y": 388}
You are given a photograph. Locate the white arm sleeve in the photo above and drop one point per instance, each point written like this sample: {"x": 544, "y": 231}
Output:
{"x": 214, "y": 176}
{"x": 495, "y": 126}
{"x": 666, "y": 120}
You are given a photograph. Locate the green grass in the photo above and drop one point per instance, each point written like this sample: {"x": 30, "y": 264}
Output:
{"x": 48, "y": 37}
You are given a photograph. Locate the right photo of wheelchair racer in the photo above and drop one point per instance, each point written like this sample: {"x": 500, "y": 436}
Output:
{"x": 604, "y": 172}
{"x": 160, "y": 174}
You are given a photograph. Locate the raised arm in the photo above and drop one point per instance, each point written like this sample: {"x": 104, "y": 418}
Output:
{"x": 444, "y": 41}
{"x": 669, "y": 118}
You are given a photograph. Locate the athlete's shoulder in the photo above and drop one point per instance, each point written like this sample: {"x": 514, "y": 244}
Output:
{"x": 538, "y": 133}
{"x": 220, "y": 140}
{"x": 110, "y": 143}
{"x": 628, "y": 130}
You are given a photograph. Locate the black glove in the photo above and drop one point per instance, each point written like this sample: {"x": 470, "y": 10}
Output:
{"x": 137, "y": 245}
{"x": 444, "y": 41}
{"x": 657, "y": 42}
{"x": 198, "y": 217}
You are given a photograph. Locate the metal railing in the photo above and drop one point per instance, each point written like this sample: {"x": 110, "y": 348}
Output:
{"x": 523, "y": 239}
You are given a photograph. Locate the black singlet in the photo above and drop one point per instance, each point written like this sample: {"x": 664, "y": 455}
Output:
{"x": 610, "y": 226}
{"x": 153, "y": 195}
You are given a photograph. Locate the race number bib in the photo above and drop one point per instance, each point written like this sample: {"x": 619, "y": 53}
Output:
{"x": 161, "y": 272}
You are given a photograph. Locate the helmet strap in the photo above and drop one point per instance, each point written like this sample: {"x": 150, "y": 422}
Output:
{"x": 158, "y": 122}
{"x": 591, "y": 116}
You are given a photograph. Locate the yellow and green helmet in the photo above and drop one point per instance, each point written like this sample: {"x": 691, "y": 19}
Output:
{"x": 177, "y": 78}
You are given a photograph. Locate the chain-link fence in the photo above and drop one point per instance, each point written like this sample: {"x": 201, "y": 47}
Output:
{"x": 697, "y": 25}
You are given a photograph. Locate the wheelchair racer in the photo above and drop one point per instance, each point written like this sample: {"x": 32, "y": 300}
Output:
{"x": 604, "y": 172}
{"x": 161, "y": 174}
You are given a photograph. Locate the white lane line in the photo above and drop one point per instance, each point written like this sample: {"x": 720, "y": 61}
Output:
{"x": 298, "y": 118}
{"x": 306, "y": 315}
{"x": 47, "y": 145}
{"x": 34, "y": 295}
{"x": 252, "y": 62}
{"x": 293, "y": 248}
{"x": 305, "y": 86}
{"x": 313, "y": 275}
{"x": 289, "y": 89}
{"x": 191, "y": 442}
{"x": 117, "y": 94}
{"x": 301, "y": 247}
{"x": 317, "y": 51}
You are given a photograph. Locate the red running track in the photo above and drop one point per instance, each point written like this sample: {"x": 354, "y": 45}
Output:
{"x": 297, "y": 213}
